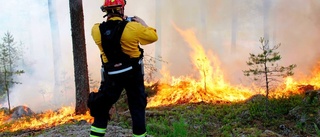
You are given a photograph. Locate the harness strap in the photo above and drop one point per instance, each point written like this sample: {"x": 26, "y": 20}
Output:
{"x": 118, "y": 62}
{"x": 111, "y": 32}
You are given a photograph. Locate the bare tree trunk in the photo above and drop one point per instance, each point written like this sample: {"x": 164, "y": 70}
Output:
{"x": 266, "y": 77}
{"x": 234, "y": 27}
{"x": 267, "y": 86}
{"x": 6, "y": 86}
{"x": 8, "y": 96}
{"x": 79, "y": 56}
{"x": 158, "y": 25}
{"x": 55, "y": 46}
{"x": 266, "y": 20}
{"x": 10, "y": 74}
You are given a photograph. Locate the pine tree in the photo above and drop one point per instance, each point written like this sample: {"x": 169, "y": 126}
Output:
{"x": 9, "y": 56}
{"x": 263, "y": 66}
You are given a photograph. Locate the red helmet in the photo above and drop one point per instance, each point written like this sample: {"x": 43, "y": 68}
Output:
{"x": 112, "y": 4}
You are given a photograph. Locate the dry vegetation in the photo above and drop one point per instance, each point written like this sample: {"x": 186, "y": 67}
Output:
{"x": 297, "y": 115}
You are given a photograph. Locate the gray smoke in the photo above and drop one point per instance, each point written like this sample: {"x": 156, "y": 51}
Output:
{"x": 294, "y": 23}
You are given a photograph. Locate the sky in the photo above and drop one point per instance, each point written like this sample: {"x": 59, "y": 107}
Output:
{"x": 230, "y": 29}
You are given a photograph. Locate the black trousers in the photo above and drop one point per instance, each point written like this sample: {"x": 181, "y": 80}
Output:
{"x": 133, "y": 83}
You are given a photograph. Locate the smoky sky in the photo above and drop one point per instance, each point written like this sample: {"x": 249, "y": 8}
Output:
{"x": 230, "y": 29}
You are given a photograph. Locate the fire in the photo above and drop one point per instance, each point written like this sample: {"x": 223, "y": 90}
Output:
{"x": 292, "y": 86}
{"x": 211, "y": 87}
{"x": 41, "y": 121}
{"x": 315, "y": 79}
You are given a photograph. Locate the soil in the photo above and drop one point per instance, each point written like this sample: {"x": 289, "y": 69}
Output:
{"x": 72, "y": 130}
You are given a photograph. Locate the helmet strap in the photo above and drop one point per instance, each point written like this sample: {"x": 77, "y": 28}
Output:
{"x": 113, "y": 11}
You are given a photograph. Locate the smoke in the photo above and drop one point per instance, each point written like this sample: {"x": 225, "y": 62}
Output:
{"x": 294, "y": 24}
{"x": 29, "y": 22}
{"x": 219, "y": 25}
{"x": 298, "y": 31}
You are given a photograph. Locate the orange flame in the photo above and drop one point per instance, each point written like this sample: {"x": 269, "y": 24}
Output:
{"x": 300, "y": 86}
{"x": 211, "y": 87}
{"x": 315, "y": 79}
{"x": 45, "y": 120}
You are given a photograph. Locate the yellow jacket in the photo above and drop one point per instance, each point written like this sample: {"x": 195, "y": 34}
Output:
{"x": 133, "y": 34}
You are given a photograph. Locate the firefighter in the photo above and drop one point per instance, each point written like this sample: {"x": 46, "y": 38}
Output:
{"x": 119, "y": 42}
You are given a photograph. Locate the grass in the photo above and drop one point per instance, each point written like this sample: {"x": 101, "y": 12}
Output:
{"x": 317, "y": 129}
{"x": 236, "y": 119}
{"x": 167, "y": 128}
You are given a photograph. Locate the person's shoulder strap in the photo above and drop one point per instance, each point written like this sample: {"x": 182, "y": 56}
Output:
{"x": 111, "y": 32}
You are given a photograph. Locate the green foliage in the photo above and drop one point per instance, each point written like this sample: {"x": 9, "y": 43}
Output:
{"x": 263, "y": 66}
{"x": 9, "y": 56}
{"x": 237, "y": 119}
{"x": 317, "y": 129}
{"x": 166, "y": 129}
{"x": 180, "y": 129}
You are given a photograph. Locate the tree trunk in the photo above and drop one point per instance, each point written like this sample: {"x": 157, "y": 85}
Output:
{"x": 234, "y": 27}
{"x": 56, "y": 47}
{"x": 158, "y": 25}
{"x": 79, "y": 56}
{"x": 266, "y": 19}
{"x": 6, "y": 86}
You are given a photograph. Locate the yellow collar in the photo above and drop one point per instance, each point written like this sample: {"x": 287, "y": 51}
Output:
{"x": 115, "y": 18}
